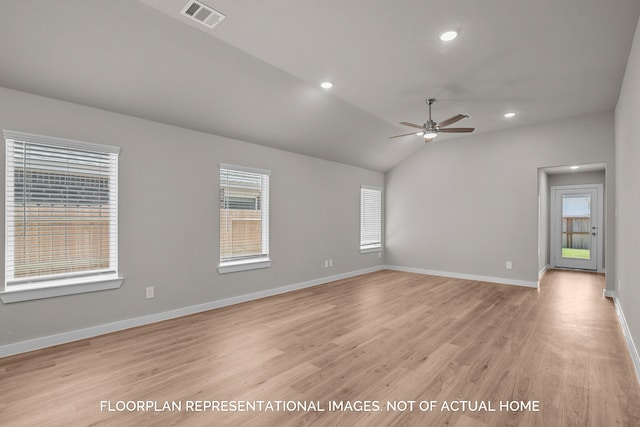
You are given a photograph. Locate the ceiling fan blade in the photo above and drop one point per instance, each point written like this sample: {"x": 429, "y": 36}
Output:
{"x": 405, "y": 134}
{"x": 452, "y": 120}
{"x": 411, "y": 125}
{"x": 456, "y": 130}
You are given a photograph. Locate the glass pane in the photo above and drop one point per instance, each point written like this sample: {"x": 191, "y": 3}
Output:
{"x": 243, "y": 218}
{"x": 576, "y": 224}
{"x": 370, "y": 218}
{"x": 61, "y": 204}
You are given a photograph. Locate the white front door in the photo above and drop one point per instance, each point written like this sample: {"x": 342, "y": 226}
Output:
{"x": 576, "y": 221}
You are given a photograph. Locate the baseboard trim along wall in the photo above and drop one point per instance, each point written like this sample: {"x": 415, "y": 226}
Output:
{"x": 544, "y": 270}
{"x": 66, "y": 337}
{"x": 633, "y": 351}
{"x": 500, "y": 280}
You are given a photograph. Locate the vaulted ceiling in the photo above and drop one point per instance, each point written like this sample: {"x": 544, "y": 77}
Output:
{"x": 255, "y": 76}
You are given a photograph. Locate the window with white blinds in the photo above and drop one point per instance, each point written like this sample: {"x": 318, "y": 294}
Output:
{"x": 244, "y": 218}
{"x": 370, "y": 219}
{"x": 61, "y": 210}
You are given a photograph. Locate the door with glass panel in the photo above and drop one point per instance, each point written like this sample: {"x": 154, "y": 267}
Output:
{"x": 576, "y": 213}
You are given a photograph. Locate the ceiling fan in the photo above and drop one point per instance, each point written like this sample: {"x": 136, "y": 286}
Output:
{"x": 431, "y": 129}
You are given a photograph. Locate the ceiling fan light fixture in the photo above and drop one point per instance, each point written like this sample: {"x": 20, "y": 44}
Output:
{"x": 430, "y": 134}
{"x": 448, "y": 35}
{"x": 430, "y": 129}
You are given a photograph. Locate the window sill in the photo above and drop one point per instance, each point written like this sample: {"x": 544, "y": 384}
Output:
{"x": 254, "y": 264}
{"x": 371, "y": 250}
{"x": 57, "y": 288}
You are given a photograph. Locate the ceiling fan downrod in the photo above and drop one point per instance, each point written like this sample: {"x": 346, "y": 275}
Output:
{"x": 430, "y": 130}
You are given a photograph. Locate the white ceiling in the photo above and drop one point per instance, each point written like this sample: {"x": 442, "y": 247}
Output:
{"x": 255, "y": 76}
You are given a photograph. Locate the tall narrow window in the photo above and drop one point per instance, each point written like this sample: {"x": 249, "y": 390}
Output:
{"x": 244, "y": 218}
{"x": 61, "y": 211}
{"x": 370, "y": 219}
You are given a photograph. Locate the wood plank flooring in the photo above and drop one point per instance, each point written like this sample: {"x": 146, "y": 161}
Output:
{"x": 382, "y": 338}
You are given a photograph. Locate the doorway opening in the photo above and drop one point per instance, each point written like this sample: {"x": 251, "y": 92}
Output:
{"x": 572, "y": 217}
{"x": 576, "y": 220}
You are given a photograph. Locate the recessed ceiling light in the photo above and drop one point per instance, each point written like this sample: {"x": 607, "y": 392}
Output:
{"x": 419, "y": 133}
{"x": 326, "y": 85}
{"x": 574, "y": 167}
{"x": 509, "y": 115}
{"x": 449, "y": 35}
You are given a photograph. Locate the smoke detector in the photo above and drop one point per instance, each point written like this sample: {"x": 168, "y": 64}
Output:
{"x": 202, "y": 13}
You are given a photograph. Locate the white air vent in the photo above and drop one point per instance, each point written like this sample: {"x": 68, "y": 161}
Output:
{"x": 202, "y": 13}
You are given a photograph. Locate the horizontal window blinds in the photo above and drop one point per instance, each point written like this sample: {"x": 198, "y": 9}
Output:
{"x": 244, "y": 214}
{"x": 61, "y": 208}
{"x": 370, "y": 218}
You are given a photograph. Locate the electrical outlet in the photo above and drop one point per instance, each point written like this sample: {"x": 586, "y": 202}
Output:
{"x": 326, "y": 263}
{"x": 330, "y": 263}
{"x": 379, "y": 254}
{"x": 509, "y": 265}
{"x": 150, "y": 292}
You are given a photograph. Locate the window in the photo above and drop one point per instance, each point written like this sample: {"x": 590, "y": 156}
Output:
{"x": 235, "y": 202}
{"x": 244, "y": 218}
{"x": 61, "y": 217}
{"x": 370, "y": 219}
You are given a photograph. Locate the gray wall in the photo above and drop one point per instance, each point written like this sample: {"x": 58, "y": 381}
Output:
{"x": 469, "y": 204}
{"x": 627, "y": 127}
{"x": 168, "y": 219}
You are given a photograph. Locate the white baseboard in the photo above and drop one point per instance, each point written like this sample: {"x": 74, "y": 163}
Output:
{"x": 66, "y": 337}
{"x": 633, "y": 350}
{"x": 544, "y": 270}
{"x": 500, "y": 280}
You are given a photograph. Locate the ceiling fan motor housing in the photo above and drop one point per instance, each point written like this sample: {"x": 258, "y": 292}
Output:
{"x": 430, "y": 126}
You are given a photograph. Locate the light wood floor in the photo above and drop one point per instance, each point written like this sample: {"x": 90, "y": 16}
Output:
{"x": 385, "y": 336}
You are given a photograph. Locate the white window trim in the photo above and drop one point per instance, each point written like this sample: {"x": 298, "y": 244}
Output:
{"x": 249, "y": 263}
{"x": 244, "y": 265}
{"x": 68, "y": 143}
{"x": 50, "y": 288}
{"x": 368, "y": 249}
{"x": 57, "y": 288}
{"x": 371, "y": 249}
{"x": 244, "y": 169}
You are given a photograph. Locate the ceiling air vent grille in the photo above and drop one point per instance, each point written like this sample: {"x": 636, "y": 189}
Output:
{"x": 202, "y": 13}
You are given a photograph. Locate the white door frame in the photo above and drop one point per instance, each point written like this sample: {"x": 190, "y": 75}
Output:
{"x": 555, "y": 221}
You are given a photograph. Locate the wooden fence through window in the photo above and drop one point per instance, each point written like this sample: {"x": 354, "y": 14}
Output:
{"x": 576, "y": 232}
{"x": 60, "y": 239}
